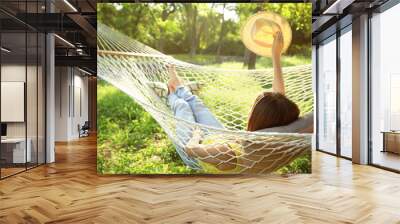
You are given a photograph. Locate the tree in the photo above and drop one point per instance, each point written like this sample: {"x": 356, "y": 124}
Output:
{"x": 221, "y": 35}
{"x": 191, "y": 23}
{"x": 194, "y": 28}
{"x": 245, "y": 10}
{"x": 298, "y": 16}
{"x": 166, "y": 10}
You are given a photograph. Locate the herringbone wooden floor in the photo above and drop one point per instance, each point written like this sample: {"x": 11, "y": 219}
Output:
{"x": 70, "y": 191}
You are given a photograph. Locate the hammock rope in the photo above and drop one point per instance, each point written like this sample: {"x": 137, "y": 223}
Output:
{"x": 130, "y": 65}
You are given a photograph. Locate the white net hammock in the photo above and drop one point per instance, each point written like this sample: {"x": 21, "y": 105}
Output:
{"x": 130, "y": 65}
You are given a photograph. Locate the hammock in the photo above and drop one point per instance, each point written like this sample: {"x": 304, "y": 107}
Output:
{"x": 130, "y": 65}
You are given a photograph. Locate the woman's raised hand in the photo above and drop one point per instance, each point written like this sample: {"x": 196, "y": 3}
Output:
{"x": 277, "y": 45}
{"x": 278, "y": 84}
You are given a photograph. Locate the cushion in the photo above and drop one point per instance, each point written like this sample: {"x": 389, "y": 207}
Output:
{"x": 161, "y": 88}
{"x": 294, "y": 127}
{"x": 194, "y": 87}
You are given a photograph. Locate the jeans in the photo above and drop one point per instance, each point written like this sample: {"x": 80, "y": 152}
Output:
{"x": 189, "y": 107}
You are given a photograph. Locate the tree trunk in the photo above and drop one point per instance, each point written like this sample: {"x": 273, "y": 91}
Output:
{"x": 161, "y": 41}
{"x": 246, "y": 57}
{"x": 250, "y": 57}
{"x": 193, "y": 33}
{"x": 199, "y": 32}
{"x": 136, "y": 23}
{"x": 221, "y": 36}
{"x": 252, "y": 60}
{"x": 191, "y": 23}
{"x": 168, "y": 9}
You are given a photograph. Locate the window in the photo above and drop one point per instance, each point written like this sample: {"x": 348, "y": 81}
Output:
{"x": 346, "y": 95}
{"x": 22, "y": 88}
{"x": 327, "y": 96}
{"x": 385, "y": 88}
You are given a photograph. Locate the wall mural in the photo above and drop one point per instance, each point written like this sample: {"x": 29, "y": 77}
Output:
{"x": 204, "y": 88}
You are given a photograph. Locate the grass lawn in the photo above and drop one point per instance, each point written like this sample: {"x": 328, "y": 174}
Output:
{"x": 237, "y": 62}
{"x": 131, "y": 142}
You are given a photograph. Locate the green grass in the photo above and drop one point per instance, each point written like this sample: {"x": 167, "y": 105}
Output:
{"x": 131, "y": 142}
{"x": 234, "y": 97}
{"x": 237, "y": 62}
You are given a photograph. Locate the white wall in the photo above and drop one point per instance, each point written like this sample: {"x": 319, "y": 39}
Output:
{"x": 71, "y": 102}
{"x": 80, "y": 110}
{"x": 33, "y": 127}
{"x": 62, "y": 81}
{"x": 16, "y": 73}
{"x": 12, "y": 73}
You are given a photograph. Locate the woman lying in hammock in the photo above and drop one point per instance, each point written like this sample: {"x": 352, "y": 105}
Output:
{"x": 271, "y": 109}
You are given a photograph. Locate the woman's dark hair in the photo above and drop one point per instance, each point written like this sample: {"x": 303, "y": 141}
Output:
{"x": 272, "y": 109}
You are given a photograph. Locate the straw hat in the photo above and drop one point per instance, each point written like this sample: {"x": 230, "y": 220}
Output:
{"x": 258, "y": 32}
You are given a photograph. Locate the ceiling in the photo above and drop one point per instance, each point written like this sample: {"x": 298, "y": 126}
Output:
{"x": 329, "y": 15}
{"x": 74, "y": 22}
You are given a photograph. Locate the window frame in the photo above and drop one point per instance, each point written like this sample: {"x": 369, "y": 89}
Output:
{"x": 336, "y": 30}
{"x": 381, "y": 9}
{"x": 30, "y": 30}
